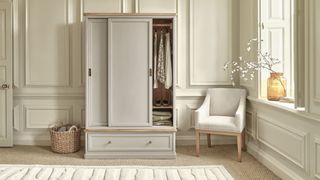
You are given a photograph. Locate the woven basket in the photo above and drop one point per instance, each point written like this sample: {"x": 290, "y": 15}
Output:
{"x": 66, "y": 141}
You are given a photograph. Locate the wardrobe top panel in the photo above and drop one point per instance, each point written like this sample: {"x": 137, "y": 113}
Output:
{"x": 131, "y": 14}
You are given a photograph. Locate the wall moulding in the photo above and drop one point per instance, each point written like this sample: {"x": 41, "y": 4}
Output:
{"x": 312, "y": 55}
{"x": 317, "y": 158}
{"x": 315, "y": 63}
{"x": 177, "y": 109}
{"x": 190, "y": 110}
{"x": 185, "y": 108}
{"x": 49, "y": 92}
{"x": 3, "y": 34}
{"x": 251, "y": 124}
{"x": 50, "y": 64}
{"x": 272, "y": 134}
{"x": 150, "y": 6}
{"x": 197, "y": 55}
{"x": 16, "y": 117}
{"x": 34, "y": 115}
{"x": 261, "y": 103}
{"x": 83, "y": 117}
{"x": 96, "y": 6}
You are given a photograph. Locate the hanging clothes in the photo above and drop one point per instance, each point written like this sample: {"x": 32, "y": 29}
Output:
{"x": 168, "y": 63}
{"x": 161, "y": 75}
{"x": 155, "y": 58}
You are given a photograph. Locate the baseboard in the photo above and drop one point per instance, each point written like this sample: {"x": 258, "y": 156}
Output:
{"x": 272, "y": 163}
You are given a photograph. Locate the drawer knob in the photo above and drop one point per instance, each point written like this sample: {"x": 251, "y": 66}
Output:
{"x": 109, "y": 142}
{"x": 150, "y": 142}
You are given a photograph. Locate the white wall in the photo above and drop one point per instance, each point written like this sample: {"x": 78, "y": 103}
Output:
{"x": 49, "y": 70}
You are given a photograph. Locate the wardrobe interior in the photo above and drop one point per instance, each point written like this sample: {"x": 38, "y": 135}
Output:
{"x": 163, "y": 72}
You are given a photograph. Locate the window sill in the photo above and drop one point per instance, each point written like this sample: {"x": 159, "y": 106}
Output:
{"x": 279, "y": 104}
{"x": 287, "y": 107}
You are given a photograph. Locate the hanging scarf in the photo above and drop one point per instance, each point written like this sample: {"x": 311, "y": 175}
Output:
{"x": 161, "y": 76}
{"x": 155, "y": 58}
{"x": 168, "y": 63}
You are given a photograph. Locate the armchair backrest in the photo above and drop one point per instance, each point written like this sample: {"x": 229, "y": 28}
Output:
{"x": 225, "y": 101}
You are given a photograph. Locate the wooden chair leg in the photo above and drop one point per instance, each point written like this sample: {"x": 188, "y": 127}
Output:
{"x": 209, "y": 140}
{"x": 197, "y": 143}
{"x": 239, "y": 144}
{"x": 243, "y": 134}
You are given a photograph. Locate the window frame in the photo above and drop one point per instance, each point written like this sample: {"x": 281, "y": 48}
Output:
{"x": 297, "y": 68}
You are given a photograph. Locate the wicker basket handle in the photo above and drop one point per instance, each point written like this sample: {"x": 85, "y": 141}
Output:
{"x": 73, "y": 127}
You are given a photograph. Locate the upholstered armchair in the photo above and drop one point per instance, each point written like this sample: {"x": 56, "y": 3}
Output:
{"x": 222, "y": 113}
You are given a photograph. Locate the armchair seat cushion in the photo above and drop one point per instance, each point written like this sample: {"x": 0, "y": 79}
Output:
{"x": 219, "y": 123}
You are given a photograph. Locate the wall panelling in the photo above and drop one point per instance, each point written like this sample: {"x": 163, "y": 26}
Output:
{"x": 210, "y": 41}
{"x": 47, "y": 43}
{"x": 158, "y": 6}
{"x": 272, "y": 134}
{"x": 102, "y": 6}
{"x": 250, "y": 124}
{"x": 44, "y": 116}
{"x": 49, "y": 70}
{"x": 317, "y": 158}
{"x": 130, "y": 6}
{"x": 3, "y": 35}
{"x": 313, "y": 55}
{"x": 3, "y": 103}
{"x": 47, "y": 67}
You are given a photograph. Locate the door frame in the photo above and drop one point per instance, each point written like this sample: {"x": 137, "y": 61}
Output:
{"x": 6, "y": 66}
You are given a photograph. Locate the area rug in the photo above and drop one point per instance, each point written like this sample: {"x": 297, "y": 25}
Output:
{"x": 43, "y": 172}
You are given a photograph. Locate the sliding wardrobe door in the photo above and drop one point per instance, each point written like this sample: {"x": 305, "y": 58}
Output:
{"x": 97, "y": 57}
{"x": 129, "y": 60}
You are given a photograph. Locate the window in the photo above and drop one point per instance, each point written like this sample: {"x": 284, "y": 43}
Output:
{"x": 277, "y": 33}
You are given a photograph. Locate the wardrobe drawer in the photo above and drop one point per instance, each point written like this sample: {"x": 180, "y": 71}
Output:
{"x": 129, "y": 142}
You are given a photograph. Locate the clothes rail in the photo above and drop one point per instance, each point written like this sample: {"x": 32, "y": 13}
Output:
{"x": 162, "y": 25}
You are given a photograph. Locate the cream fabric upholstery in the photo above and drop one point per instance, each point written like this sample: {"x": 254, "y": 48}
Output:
{"x": 219, "y": 123}
{"x": 222, "y": 110}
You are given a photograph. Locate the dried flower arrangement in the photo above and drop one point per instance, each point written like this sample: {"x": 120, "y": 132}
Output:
{"x": 248, "y": 67}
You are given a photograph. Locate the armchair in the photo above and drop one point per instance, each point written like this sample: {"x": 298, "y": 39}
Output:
{"x": 222, "y": 113}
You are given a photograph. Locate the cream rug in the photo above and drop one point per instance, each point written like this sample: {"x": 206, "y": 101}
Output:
{"x": 43, "y": 172}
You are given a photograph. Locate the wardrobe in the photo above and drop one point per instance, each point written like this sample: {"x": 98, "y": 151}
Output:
{"x": 130, "y": 85}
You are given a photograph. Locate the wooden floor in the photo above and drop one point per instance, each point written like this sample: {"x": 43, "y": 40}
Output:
{"x": 225, "y": 155}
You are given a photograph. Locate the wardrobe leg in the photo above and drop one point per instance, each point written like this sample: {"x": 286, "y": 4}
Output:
{"x": 209, "y": 140}
{"x": 197, "y": 143}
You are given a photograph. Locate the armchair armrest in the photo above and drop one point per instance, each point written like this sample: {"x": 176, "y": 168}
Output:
{"x": 202, "y": 112}
{"x": 240, "y": 115}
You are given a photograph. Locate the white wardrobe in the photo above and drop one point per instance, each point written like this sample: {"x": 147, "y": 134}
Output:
{"x": 130, "y": 104}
